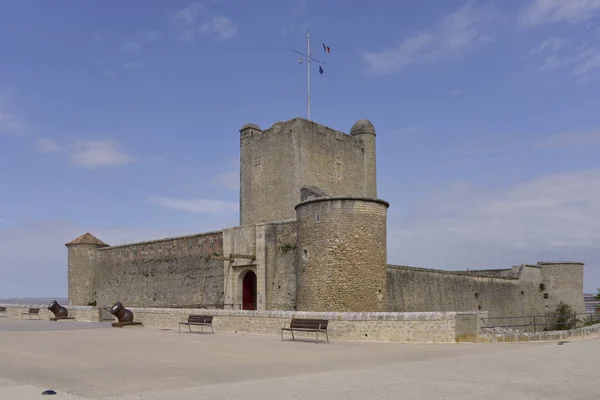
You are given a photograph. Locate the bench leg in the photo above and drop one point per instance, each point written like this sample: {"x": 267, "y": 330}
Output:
{"x": 317, "y": 336}
{"x": 293, "y": 338}
{"x": 201, "y": 329}
{"x": 211, "y": 328}
{"x": 190, "y": 326}
{"x": 327, "y": 336}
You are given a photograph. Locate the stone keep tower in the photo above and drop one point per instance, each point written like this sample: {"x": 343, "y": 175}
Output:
{"x": 275, "y": 164}
{"x": 82, "y": 254}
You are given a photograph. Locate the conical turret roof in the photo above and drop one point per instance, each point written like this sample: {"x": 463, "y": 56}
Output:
{"x": 87, "y": 238}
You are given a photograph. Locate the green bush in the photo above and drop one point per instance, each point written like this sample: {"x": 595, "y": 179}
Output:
{"x": 563, "y": 318}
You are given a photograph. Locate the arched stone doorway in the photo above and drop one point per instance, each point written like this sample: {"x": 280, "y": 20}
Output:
{"x": 249, "y": 291}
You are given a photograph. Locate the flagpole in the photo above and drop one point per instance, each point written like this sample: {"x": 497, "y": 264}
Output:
{"x": 308, "y": 63}
{"x": 309, "y": 57}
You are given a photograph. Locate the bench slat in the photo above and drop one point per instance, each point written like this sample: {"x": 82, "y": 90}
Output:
{"x": 308, "y": 324}
{"x": 200, "y": 319}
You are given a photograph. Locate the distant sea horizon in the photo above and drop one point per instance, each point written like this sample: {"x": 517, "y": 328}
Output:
{"x": 34, "y": 300}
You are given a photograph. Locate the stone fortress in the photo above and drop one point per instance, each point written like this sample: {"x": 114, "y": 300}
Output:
{"x": 312, "y": 237}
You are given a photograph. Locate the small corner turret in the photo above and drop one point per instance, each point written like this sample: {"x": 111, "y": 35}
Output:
{"x": 362, "y": 127}
{"x": 249, "y": 130}
{"x": 365, "y": 130}
{"x": 82, "y": 253}
{"x": 87, "y": 238}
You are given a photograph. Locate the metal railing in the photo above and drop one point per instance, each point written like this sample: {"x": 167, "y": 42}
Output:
{"x": 543, "y": 322}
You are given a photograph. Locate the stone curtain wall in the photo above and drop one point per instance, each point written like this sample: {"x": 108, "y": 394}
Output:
{"x": 280, "y": 257}
{"x": 277, "y": 162}
{"x": 174, "y": 272}
{"x": 586, "y": 332}
{"x": 418, "y": 289}
{"x": 342, "y": 255}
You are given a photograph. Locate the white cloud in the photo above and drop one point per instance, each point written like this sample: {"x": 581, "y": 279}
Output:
{"x": 571, "y": 139}
{"x": 582, "y": 58}
{"x": 299, "y": 5}
{"x": 229, "y": 180}
{"x": 553, "y": 44}
{"x": 407, "y": 130}
{"x": 134, "y": 44}
{"x": 131, "y": 65}
{"x": 10, "y": 123}
{"x": 295, "y": 30}
{"x": 219, "y": 26}
{"x": 551, "y": 218}
{"x": 87, "y": 154}
{"x": 196, "y": 206}
{"x": 540, "y": 12}
{"x": 196, "y": 19}
{"x": 46, "y": 145}
{"x": 454, "y": 35}
{"x": 95, "y": 154}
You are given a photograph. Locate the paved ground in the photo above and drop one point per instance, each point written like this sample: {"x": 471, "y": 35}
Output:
{"x": 93, "y": 362}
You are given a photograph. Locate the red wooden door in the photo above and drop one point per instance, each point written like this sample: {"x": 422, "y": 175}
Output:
{"x": 249, "y": 291}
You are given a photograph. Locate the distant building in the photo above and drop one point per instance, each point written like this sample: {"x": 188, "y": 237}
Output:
{"x": 591, "y": 303}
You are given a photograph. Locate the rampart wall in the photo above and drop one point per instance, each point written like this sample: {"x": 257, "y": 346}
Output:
{"x": 432, "y": 327}
{"x": 177, "y": 271}
{"x": 501, "y": 293}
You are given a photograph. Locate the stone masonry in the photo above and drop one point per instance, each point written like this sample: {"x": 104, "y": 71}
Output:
{"x": 341, "y": 254}
{"x": 312, "y": 237}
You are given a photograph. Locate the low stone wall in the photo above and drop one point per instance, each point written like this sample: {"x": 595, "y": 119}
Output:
{"x": 81, "y": 313}
{"x": 586, "y": 332}
{"x": 416, "y": 327}
{"x": 426, "y": 327}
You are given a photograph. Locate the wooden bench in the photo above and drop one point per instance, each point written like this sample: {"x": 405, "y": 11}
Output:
{"x": 307, "y": 325}
{"x": 3, "y": 312}
{"x": 32, "y": 312}
{"x": 199, "y": 320}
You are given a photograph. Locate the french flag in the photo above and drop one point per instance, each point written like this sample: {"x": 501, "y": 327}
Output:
{"x": 326, "y": 48}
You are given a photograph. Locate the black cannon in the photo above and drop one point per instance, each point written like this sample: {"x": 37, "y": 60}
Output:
{"x": 59, "y": 311}
{"x": 124, "y": 316}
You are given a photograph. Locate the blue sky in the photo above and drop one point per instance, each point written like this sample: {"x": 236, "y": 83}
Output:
{"x": 122, "y": 119}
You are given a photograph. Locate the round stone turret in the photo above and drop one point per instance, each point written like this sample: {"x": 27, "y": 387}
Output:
{"x": 361, "y": 127}
{"x": 342, "y": 254}
{"x": 365, "y": 130}
{"x": 250, "y": 126}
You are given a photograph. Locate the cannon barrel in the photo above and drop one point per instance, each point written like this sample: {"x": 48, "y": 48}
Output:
{"x": 58, "y": 310}
{"x": 122, "y": 314}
